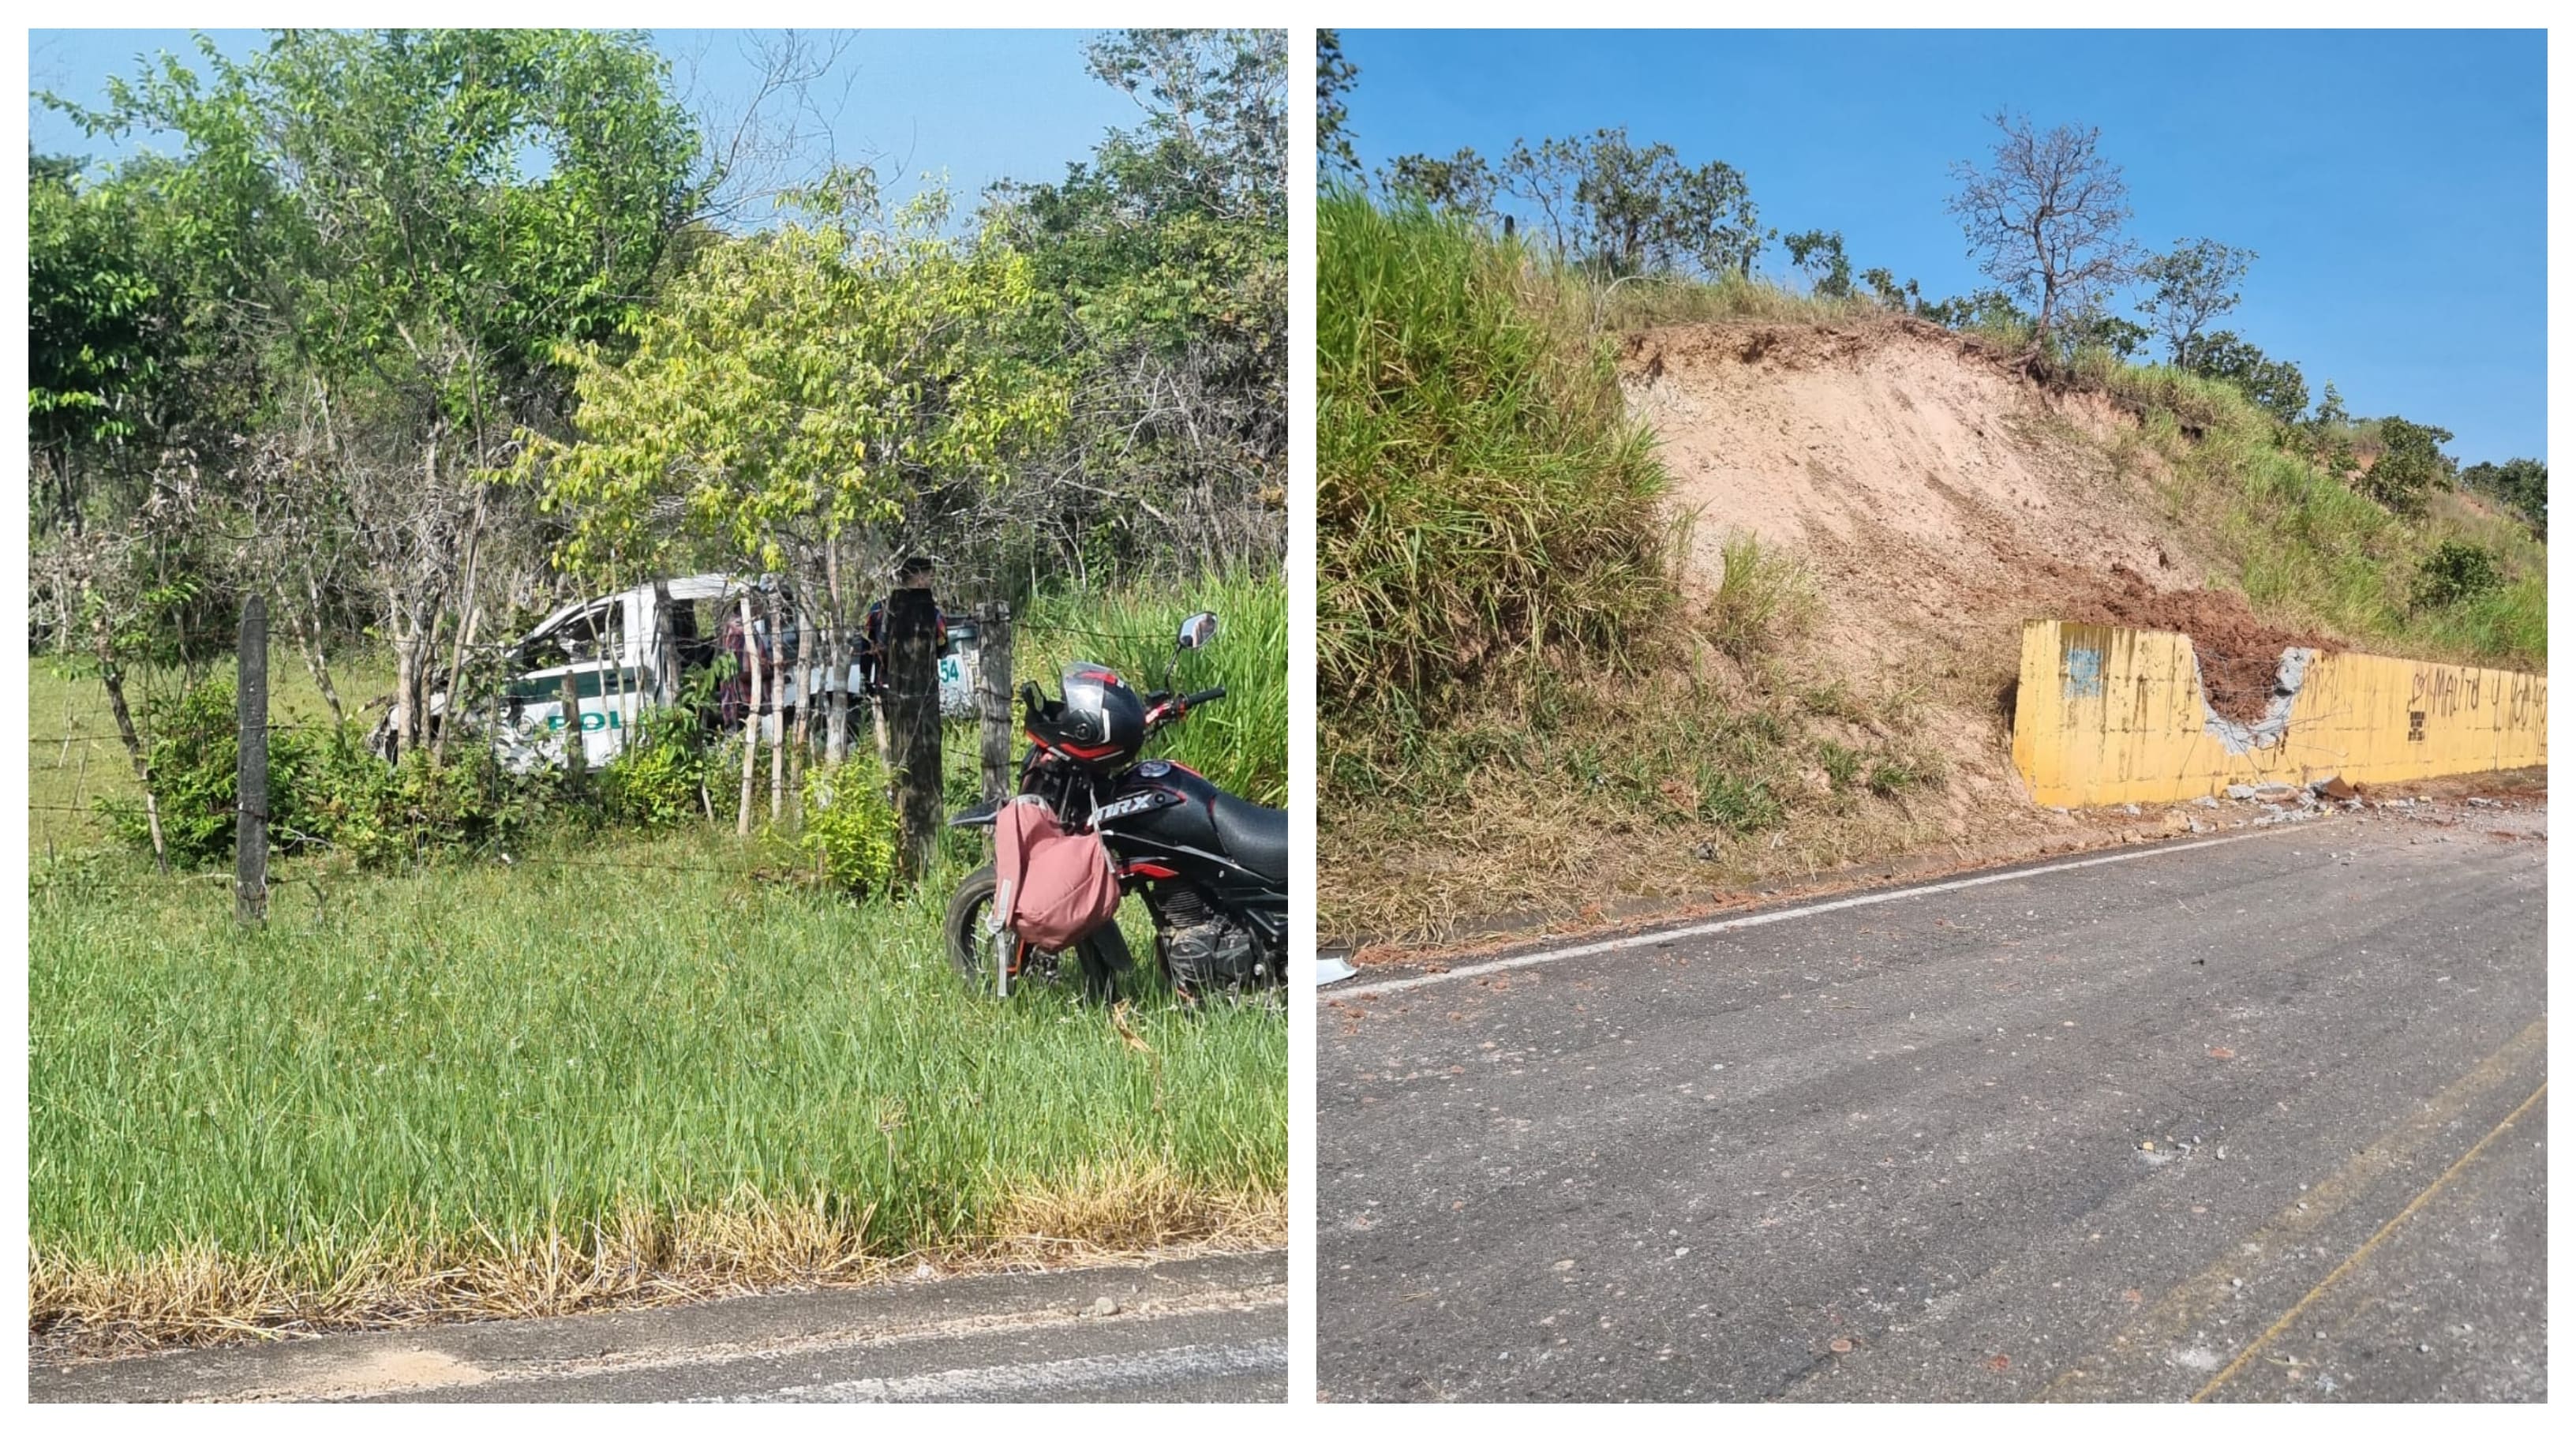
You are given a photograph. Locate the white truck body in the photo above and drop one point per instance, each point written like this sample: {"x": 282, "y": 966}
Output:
{"x": 630, "y": 652}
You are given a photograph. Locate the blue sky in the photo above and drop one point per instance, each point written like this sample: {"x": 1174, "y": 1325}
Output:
{"x": 981, "y": 104}
{"x": 2394, "y": 183}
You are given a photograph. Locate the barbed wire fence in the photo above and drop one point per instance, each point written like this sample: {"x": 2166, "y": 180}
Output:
{"x": 89, "y": 863}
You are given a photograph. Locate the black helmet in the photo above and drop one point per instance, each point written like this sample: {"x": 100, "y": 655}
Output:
{"x": 1100, "y": 715}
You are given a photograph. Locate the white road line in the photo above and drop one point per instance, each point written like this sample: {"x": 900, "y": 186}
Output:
{"x": 1741, "y": 922}
{"x": 1038, "y": 1382}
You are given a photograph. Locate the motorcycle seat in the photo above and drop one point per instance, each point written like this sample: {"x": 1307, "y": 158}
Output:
{"x": 1255, "y": 836}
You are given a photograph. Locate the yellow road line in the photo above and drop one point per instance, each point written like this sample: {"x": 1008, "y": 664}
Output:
{"x": 2192, "y": 1300}
{"x": 2368, "y": 1247}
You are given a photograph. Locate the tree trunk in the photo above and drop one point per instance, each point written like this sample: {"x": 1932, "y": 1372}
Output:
{"x": 464, "y": 631}
{"x": 912, "y": 661}
{"x": 576, "y": 748}
{"x": 993, "y": 696}
{"x": 313, "y": 647}
{"x": 112, "y": 676}
{"x": 777, "y": 698}
{"x": 250, "y": 766}
{"x": 807, "y": 669}
{"x": 836, "y": 645}
{"x": 410, "y": 652}
{"x": 750, "y": 719}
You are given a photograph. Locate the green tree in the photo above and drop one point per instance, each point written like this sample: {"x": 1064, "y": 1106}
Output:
{"x": 1166, "y": 255}
{"x": 1461, "y": 184}
{"x": 401, "y": 227}
{"x": 1622, "y": 208}
{"x": 2410, "y": 464}
{"x": 2521, "y": 484}
{"x": 97, "y": 329}
{"x": 2189, "y": 288}
{"x": 1906, "y": 297}
{"x": 1828, "y": 269}
{"x": 798, "y": 397}
{"x": 1335, "y": 77}
{"x": 2275, "y": 385}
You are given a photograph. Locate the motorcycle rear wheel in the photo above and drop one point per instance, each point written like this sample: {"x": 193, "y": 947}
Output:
{"x": 1098, "y": 958}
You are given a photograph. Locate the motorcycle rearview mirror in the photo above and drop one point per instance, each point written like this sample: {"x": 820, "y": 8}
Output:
{"x": 1197, "y": 630}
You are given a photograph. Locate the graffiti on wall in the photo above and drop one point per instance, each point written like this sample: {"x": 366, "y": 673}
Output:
{"x": 2105, "y": 715}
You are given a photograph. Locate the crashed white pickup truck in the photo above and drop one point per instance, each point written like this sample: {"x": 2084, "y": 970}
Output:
{"x": 636, "y": 650}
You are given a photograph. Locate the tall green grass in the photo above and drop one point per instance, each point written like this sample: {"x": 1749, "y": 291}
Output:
{"x": 1241, "y": 742}
{"x": 480, "y": 1061}
{"x": 1483, "y": 499}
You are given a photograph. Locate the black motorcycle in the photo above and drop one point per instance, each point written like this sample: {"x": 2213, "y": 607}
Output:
{"x": 1212, "y": 867}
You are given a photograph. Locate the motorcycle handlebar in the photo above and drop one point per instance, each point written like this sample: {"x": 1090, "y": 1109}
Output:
{"x": 1197, "y": 698}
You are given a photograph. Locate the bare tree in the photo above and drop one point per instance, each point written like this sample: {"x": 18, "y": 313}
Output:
{"x": 779, "y": 136}
{"x": 2049, "y": 221}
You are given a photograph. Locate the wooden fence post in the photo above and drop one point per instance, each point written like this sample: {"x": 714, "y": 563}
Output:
{"x": 993, "y": 692}
{"x": 912, "y": 712}
{"x": 250, "y": 768}
{"x": 576, "y": 751}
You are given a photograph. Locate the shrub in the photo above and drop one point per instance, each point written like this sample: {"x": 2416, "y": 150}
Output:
{"x": 347, "y": 798}
{"x": 659, "y": 780}
{"x": 191, "y": 764}
{"x": 2456, "y": 572}
{"x": 849, "y": 824}
{"x": 326, "y": 791}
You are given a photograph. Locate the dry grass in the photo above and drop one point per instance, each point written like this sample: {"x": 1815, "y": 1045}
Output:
{"x": 1674, "y": 786}
{"x": 638, "y": 1258}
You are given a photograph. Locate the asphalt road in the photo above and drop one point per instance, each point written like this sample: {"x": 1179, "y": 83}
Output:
{"x": 2247, "y": 1119}
{"x": 1203, "y": 1330}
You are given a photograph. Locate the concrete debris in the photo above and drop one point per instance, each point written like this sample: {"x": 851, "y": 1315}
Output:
{"x": 2335, "y": 788}
{"x": 2209, "y": 801}
{"x": 2240, "y": 793}
{"x": 2288, "y": 814}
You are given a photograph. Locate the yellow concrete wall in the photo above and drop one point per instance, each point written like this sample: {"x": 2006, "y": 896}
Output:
{"x": 2108, "y": 715}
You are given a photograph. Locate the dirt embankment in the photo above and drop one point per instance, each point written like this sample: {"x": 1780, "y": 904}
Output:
{"x": 1940, "y": 498}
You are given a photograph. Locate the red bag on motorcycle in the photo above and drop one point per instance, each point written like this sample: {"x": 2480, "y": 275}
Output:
{"x": 1056, "y": 885}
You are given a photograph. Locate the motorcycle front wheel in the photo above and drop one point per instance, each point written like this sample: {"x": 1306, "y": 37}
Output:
{"x": 1098, "y": 959}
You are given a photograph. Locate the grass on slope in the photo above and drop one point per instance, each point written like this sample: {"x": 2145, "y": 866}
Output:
{"x": 1487, "y": 514}
{"x": 2306, "y": 548}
